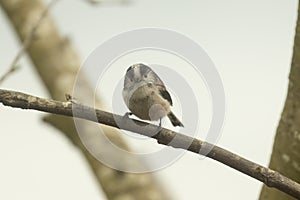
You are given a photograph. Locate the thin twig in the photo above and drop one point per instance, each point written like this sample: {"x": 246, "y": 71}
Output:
{"x": 27, "y": 41}
{"x": 165, "y": 136}
{"x": 11, "y": 70}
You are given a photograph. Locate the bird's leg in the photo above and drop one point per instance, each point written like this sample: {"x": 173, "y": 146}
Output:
{"x": 158, "y": 128}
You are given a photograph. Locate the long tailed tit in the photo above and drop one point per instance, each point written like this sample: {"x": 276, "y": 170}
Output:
{"x": 146, "y": 95}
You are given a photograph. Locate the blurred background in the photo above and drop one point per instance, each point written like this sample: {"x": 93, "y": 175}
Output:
{"x": 250, "y": 43}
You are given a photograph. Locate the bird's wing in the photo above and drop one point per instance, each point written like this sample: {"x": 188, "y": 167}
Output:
{"x": 165, "y": 94}
{"x": 161, "y": 86}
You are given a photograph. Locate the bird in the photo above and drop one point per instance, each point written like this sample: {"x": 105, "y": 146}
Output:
{"x": 146, "y": 95}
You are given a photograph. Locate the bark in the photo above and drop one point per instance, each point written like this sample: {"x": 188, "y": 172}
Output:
{"x": 286, "y": 150}
{"x": 57, "y": 63}
{"x": 163, "y": 136}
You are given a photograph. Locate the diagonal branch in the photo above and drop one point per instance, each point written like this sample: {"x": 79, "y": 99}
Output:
{"x": 270, "y": 177}
{"x": 27, "y": 41}
{"x": 57, "y": 64}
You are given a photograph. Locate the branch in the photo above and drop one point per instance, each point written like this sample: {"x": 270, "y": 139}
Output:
{"x": 269, "y": 177}
{"x": 57, "y": 64}
{"x": 285, "y": 156}
{"x": 27, "y": 41}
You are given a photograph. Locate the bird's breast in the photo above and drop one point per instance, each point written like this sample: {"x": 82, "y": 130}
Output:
{"x": 146, "y": 103}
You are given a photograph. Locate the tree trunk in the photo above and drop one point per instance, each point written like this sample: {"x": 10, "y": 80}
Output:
{"x": 57, "y": 63}
{"x": 286, "y": 150}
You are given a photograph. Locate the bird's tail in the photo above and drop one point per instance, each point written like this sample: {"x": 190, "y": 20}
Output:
{"x": 174, "y": 120}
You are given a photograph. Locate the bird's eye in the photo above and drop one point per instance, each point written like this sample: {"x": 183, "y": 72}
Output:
{"x": 145, "y": 76}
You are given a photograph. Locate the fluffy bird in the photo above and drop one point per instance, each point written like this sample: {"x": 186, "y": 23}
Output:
{"x": 146, "y": 95}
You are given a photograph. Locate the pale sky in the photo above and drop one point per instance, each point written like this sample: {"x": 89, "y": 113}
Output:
{"x": 250, "y": 43}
